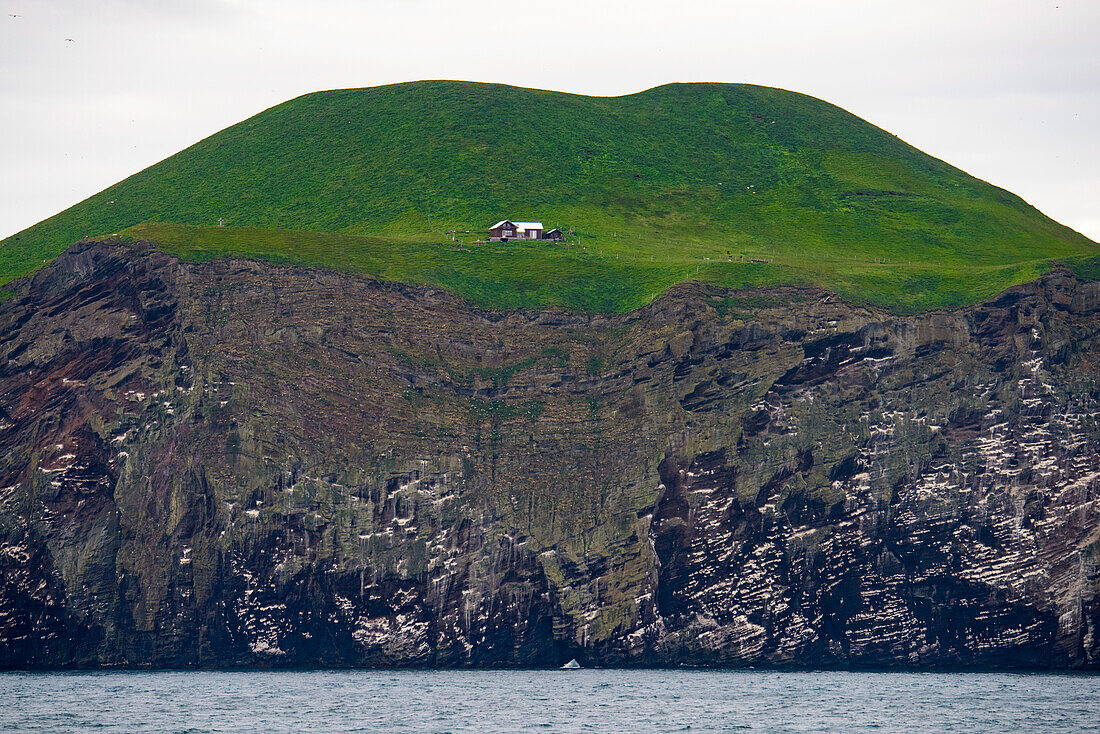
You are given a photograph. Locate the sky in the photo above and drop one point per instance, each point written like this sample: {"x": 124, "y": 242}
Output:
{"x": 91, "y": 92}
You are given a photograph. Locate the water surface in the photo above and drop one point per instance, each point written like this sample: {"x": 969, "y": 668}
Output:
{"x": 546, "y": 701}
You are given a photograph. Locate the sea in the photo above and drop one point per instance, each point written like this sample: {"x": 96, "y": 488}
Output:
{"x": 547, "y": 701}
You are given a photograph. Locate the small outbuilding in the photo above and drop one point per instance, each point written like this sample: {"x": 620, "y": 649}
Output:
{"x": 554, "y": 234}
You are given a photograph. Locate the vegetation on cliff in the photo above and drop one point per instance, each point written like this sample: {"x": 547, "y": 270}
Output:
{"x": 678, "y": 182}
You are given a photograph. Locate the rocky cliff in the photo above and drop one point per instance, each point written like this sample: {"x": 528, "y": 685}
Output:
{"x": 240, "y": 464}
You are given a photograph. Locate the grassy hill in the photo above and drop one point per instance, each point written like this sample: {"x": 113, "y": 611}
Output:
{"x": 652, "y": 184}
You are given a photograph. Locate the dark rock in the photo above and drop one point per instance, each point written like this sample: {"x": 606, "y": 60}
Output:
{"x": 239, "y": 464}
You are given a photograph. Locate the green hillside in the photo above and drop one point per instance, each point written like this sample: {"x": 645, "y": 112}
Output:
{"x": 652, "y": 184}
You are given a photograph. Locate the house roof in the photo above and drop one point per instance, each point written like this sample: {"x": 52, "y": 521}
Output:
{"x": 519, "y": 225}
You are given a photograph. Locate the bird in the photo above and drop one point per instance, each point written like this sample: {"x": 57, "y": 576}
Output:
{"x": 69, "y": 40}
{"x": 14, "y": 15}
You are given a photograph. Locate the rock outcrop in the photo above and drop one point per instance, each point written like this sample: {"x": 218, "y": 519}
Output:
{"x": 241, "y": 464}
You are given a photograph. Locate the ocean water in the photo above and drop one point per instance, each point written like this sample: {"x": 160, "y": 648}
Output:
{"x": 546, "y": 701}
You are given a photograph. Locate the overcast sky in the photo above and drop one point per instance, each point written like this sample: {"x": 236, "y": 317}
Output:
{"x": 94, "y": 90}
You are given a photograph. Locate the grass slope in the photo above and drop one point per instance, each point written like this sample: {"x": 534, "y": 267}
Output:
{"x": 652, "y": 183}
{"x": 535, "y": 274}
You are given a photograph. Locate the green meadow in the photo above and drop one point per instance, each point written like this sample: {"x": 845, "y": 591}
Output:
{"x": 601, "y": 277}
{"x": 731, "y": 184}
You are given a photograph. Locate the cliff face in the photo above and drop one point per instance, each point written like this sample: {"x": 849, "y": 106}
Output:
{"x": 240, "y": 464}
